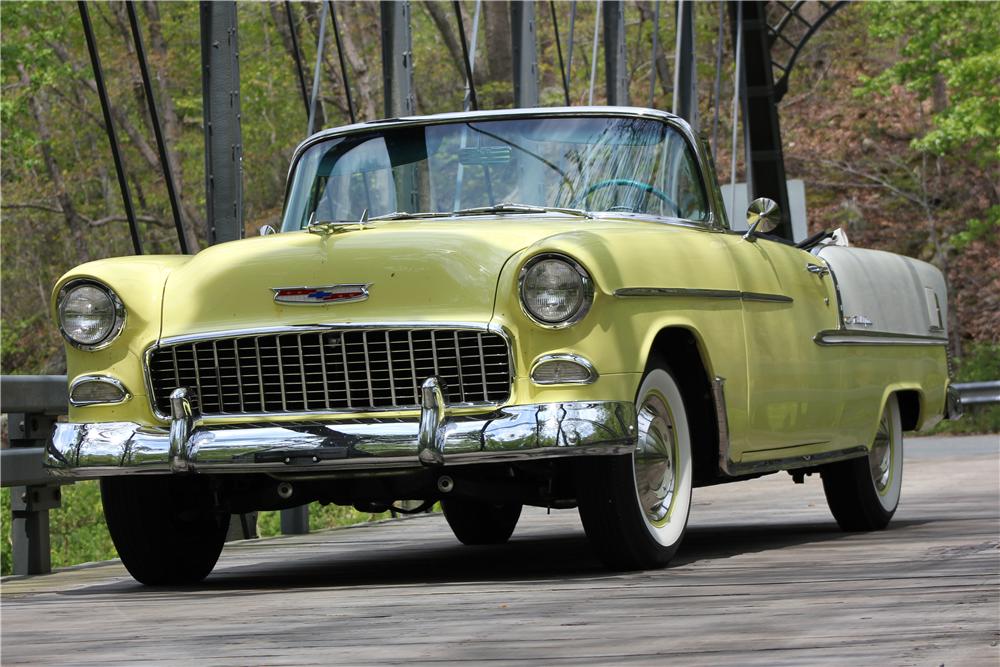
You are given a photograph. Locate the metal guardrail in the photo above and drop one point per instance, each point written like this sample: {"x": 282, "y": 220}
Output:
{"x": 33, "y": 403}
{"x": 978, "y": 393}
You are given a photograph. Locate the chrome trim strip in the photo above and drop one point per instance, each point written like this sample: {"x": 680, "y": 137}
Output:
{"x": 794, "y": 462}
{"x": 575, "y": 358}
{"x": 513, "y": 433}
{"x": 852, "y": 337}
{"x": 121, "y": 314}
{"x": 722, "y": 422}
{"x": 702, "y": 293}
{"x": 101, "y": 379}
{"x": 767, "y": 298}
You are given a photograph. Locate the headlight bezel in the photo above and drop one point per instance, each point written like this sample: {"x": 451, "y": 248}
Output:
{"x": 116, "y": 327}
{"x": 587, "y": 285}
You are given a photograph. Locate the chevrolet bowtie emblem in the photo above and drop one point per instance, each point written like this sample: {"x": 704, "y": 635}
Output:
{"x": 320, "y": 295}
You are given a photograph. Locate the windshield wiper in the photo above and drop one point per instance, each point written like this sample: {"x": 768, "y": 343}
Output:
{"x": 403, "y": 215}
{"x": 508, "y": 207}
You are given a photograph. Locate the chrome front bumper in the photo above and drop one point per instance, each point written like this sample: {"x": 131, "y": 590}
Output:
{"x": 513, "y": 433}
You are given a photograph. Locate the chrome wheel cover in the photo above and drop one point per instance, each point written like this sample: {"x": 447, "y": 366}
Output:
{"x": 655, "y": 460}
{"x": 880, "y": 457}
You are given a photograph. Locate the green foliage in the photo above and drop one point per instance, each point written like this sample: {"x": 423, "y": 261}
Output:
{"x": 980, "y": 362}
{"x": 978, "y": 230}
{"x": 78, "y": 533}
{"x": 321, "y": 517}
{"x": 948, "y": 50}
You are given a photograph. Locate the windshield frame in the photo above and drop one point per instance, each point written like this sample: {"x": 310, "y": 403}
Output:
{"x": 717, "y": 220}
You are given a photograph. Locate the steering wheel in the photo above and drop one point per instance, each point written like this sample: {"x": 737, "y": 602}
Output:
{"x": 628, "y": 182}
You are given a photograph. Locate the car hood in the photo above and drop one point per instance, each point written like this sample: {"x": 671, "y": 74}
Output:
{"x": 430, "y": 270}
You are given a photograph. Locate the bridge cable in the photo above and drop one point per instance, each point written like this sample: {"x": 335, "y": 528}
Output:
{"x": 737, "y": 89}
{"x": 470, "y": 84}
{"x": 593, "y": 53}
{"x": 319, "y": 61}
{"x": 562, "y": 70}
{"x": 154, "y": 113}
{"x": 717, "y": 90}
{"x": 343, "y": 64}
{"x": 569, "y": 45}
{"x": 102, "y": 93}
{"x": 656, "y": 39}
{"x": 297, "y": 55}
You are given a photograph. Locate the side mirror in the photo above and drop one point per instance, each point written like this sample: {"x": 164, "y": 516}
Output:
{"x": 763, "y": 215}
{"x": 267, "y": 230}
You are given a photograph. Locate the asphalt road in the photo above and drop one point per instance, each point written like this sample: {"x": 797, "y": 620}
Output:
{"x": 763, "y": 578}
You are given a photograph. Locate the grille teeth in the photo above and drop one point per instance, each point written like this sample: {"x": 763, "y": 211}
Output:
{"x": 328, "y": 371}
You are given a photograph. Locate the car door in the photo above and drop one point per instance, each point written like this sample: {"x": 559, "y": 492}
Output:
{"x": 794, "y": 385}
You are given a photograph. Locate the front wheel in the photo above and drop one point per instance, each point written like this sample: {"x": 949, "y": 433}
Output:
{"x": 863, "y": 493}
{"x": 635, "y": 508}
{"x": 165, "y": 528}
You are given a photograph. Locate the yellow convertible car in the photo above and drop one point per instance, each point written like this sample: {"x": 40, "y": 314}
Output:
{"x": 493, "y": 309}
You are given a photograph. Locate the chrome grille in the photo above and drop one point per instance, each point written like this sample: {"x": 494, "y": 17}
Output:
{"x": 331, "y": 370}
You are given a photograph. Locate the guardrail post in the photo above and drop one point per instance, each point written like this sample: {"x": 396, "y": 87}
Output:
{"x": 30, "y": 505}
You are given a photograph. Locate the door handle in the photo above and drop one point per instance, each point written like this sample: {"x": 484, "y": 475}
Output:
{"x": 818, "y": 269}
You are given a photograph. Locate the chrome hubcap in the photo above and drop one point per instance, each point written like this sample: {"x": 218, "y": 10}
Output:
{"x": 880, "y": 456}
{"x": 656, "y": 460}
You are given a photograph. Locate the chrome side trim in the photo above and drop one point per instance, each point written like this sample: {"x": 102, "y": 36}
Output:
{"x": 103, "y": 379}
{"x": 575, "y": 358}
{"x": 771, "y": 298}
{"x": 702, "y": 293}
{"x": 513, "y": 433}
{"x": 857, "y": 337}
{"x": 793, "y": 462}
{"x": 722, "y": 422}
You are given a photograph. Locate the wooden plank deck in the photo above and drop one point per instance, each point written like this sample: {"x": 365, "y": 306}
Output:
{"x": 764, "y": 577}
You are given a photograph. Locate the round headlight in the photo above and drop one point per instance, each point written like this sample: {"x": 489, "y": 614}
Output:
{"x": 555, "y": 290}
{"x": 90, "y": 315}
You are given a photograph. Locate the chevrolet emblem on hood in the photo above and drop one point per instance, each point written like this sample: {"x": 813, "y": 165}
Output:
{"x": 320, "y": 295}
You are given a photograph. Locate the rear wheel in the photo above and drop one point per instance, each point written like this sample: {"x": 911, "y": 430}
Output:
{"x": 863, "y": 493}
{"x": 479, "y": 522}
{"x": 635, "y": 508}
{"x": 165, "y": 528}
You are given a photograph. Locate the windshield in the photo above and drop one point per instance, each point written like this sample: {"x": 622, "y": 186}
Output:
{"x": 599, "y": 164}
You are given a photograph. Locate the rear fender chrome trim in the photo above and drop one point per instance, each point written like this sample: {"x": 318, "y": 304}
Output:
{"x": 864, "y": 337}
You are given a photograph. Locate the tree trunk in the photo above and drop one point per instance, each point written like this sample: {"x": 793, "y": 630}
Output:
{"x": 499, "y": 61}
{"x": 73, "y": 219}
{"x": 444, "y": 20}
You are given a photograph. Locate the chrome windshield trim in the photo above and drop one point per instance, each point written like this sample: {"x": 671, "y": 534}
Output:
{"x": 851, "y": 337}
{"x": 717, "y": 220}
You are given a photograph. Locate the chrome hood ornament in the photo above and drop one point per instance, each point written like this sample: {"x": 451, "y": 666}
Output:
{"x": 319, "y": 296}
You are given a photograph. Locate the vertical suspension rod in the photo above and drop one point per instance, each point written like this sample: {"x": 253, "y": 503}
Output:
{"x": 465, "y": 55}
{"x": 593, "y": 54}
{"x": 656, "y": 44}
{"x": 102, "y": 93}
{"x": 572, "y": 30}
{"x": 154, "y": 112}
{"x": 562, "y": 70}
{"x": 343, "y": 65}
{"x": 298, "y": 55}
{"x": 319, "y": 62}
